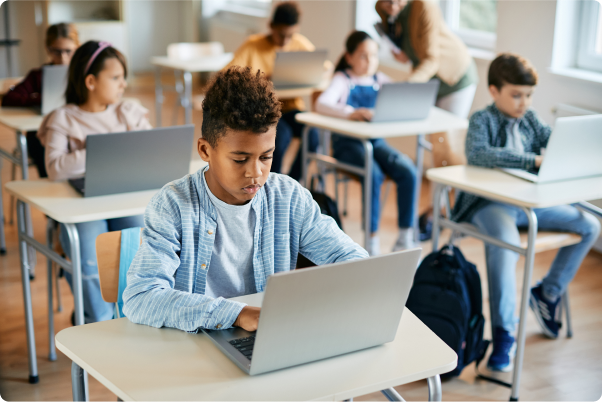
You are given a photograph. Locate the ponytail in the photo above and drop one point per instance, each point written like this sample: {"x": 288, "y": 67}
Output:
{"x": 353, "y": 41}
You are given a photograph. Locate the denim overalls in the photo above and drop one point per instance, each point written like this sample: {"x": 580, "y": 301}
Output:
{"x": 387, "y": 161}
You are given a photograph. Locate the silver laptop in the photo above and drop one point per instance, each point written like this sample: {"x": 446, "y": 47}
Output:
{"x": 135, "y": 160}
{"x": 316, "y": 313}
{"x": 54, "y": 85}
{"x": 405, "y": 101}
{"x": 298, "y": 69}
{"x": 574, "y": 151}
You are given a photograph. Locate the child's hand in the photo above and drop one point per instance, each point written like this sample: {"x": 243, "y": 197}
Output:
{"x": 400, "y": 57}
{"x": 538, "y": 160}
{"x": 248, "y": 318}
{"x": 361, "y": 114}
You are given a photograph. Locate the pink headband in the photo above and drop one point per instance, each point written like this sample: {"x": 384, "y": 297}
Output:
{"x": 101, "y": 46}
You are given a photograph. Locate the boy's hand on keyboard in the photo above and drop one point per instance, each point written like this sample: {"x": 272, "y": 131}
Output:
{"x": 361, "y": 114}
{"x": 538, "y": 160}
{"x": 248, "y": 318}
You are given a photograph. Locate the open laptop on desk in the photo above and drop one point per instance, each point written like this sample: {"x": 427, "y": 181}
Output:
{"x": 316, "y": 313}
{"x": 135, "y": 160}
{"x": 298, "y": 69}
{"x": 54, "y": 85}
{"x": 402, "y": 101}
{"x": 574, "y": 151}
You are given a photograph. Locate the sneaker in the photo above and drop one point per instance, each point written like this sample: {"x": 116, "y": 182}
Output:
{"x": 405, "y": 240}
{"x": 374, "y": 246}
{"x": 546, "y": 312}
{"x": 504, "y": 349}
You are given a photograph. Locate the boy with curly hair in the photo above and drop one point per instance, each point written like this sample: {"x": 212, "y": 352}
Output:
{"x": 220, "y": 232}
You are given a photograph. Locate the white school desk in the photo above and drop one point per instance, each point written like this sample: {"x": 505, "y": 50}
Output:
{"x": 61, "y": 203}
{"x": 438, "y": 120}
{"x": 187, "y": 67}
{"x": 142, "y": 363}
{"x": 502, "y": 187}
{"x": 21, "y": 120}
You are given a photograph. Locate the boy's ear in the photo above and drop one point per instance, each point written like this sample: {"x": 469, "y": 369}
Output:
{"x": 204, "y": 149}
{"x": 494, "y": 92}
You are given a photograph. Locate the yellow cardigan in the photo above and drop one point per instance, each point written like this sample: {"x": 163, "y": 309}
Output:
{"x": 440, "y": 51}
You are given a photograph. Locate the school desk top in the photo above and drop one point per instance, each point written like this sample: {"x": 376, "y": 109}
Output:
{"x": 138, "y": 362}
{"x": 204, "y": 64}
{"x": 21, "y": 119}
{"x": 500, "y": 186}
{"x": 64, "y": 204}
{"x": 438, "y": 120}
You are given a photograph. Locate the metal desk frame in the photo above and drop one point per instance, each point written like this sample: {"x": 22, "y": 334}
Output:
{"x": 529, "y": 254}
{"x": 365, "y": 172}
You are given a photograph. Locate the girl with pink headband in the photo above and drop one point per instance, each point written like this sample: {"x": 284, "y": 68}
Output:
{"x": 97, "y": 74}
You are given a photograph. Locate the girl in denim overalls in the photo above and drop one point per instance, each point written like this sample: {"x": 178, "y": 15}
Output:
{"x": 352, "y": 95}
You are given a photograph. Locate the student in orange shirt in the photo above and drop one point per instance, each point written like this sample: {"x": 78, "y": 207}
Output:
{"x": 259, "y": 53}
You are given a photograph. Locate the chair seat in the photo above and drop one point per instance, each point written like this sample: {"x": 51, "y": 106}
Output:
{"x": 545, "y": 240}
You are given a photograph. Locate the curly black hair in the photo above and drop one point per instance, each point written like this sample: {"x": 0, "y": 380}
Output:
{"x": 239, "y": 99}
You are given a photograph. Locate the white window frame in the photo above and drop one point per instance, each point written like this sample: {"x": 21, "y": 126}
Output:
{"x": 473, "y": 38}
{"x": 591, "y": 24}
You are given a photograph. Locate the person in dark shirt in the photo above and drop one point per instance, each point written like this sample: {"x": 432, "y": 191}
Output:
{"x": 62, "y": 41}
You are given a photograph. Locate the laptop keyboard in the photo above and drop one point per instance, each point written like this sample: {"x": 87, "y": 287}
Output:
{"x": 244, "y": 345}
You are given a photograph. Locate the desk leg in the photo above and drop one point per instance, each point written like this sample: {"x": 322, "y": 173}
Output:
{"x": 434, "y": 383}
{"x": 524, "y": 303}
{"x": 437, "y": 191}
{"x": 188, "y": 97}
{"x": 2, "y": 238}
{"x": 51, "y": 279}
{"x": 79, "y": 383}
{"x": 392, "y": 395}
{"x": 368, "y": 160}
{"x": 31, "y": 341}
{"x": 22, "y": 141}
{"x": 421, "y": 144}
{"x": 77, "y": 272}
{"x": 158, "y": 96}
{"x": 304, "y": 153}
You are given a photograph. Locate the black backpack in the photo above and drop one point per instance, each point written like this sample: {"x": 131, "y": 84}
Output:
{"x": 446, "y": 296}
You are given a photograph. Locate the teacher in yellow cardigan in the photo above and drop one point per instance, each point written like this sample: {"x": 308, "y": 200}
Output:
{"x": 418, "y": 30}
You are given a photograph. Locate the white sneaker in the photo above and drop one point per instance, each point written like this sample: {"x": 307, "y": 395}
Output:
{"x": 405, "y": 240}
{"x": 374, "y": 248}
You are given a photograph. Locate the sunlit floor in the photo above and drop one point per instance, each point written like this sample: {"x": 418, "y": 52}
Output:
{"x": 562, "y": 369}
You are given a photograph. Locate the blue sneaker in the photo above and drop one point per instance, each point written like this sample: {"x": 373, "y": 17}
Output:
{"x": 504, "y": 349}
{"x": 546, "y": 312}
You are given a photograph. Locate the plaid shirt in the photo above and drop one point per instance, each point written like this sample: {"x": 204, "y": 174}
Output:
{"x": 167, "y": 279}
{"x": 485, "y": 142}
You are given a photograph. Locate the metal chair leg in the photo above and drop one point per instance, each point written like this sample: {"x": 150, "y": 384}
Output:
{"x": 567, "y": 312}
{"x": 57, "y": 279}
{"x": 51, "y": 345}
{"x": 13, "y": 177}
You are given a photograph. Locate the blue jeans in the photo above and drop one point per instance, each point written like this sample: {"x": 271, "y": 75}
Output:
{"x": 387, "y": 161}
{"x": 95, "y": 308}
{"x": 502, "y": 221}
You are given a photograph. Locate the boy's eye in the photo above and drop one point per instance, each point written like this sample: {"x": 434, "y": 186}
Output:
{"x": 240, "y": 161}
{"x": 265, "y": 158}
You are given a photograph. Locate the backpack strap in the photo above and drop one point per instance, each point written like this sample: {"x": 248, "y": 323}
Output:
{"x": 130, "y": 243}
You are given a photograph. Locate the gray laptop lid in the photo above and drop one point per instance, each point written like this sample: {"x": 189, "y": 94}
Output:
{"x": 298, "y": 69}
{"x": 54, "y": 85}
{"x": 137, "y": 160}
{"x": 405, "y": 101}
{"x": 315, "y": 313}
{"x": 574, "y": 149}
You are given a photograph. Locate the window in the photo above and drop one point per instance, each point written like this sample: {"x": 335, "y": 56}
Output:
{"x": 589, "y": 52}
{"x": 475, "y": 21}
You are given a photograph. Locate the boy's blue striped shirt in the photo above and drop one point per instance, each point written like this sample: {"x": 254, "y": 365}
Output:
{"x": 166, "y": 281}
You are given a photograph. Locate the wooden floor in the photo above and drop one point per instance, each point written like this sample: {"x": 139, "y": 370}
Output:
{"x": 562, "y": 369}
